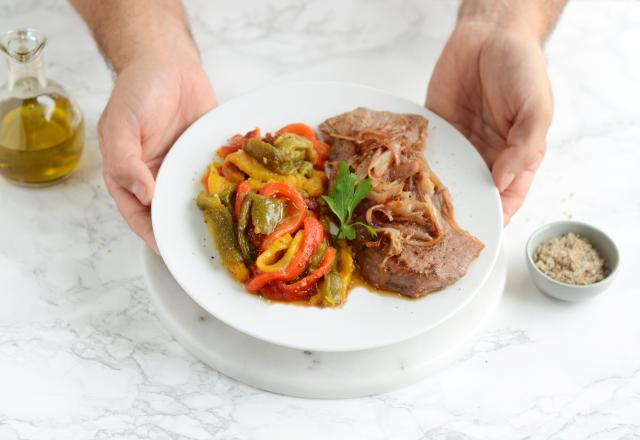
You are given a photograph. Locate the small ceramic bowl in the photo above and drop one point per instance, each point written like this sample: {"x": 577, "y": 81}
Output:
{"x": 569, "y": 292}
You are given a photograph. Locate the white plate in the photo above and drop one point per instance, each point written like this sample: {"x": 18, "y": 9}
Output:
{"x": 367, "y": 320}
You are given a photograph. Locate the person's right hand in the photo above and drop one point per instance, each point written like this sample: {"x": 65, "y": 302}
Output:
{"x": 152, "y": 103}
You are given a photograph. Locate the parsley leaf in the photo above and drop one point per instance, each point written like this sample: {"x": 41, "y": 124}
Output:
{"x": 343, "y": 199}
{"x": 371, "y": 229}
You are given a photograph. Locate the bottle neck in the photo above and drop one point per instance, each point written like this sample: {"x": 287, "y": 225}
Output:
{"x": 26, "y": 78}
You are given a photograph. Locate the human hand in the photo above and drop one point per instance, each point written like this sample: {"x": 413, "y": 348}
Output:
{"x": 152, "y": 103}
{"x": 491, "y": 84}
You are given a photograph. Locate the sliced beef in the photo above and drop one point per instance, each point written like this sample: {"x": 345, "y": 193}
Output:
{"x": 421, "y": 249}
{"x": 418, "y": 270}
{"x": 350, "y": 133}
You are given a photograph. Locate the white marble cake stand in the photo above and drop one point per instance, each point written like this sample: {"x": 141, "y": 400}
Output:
{"x": 317, "y": 374}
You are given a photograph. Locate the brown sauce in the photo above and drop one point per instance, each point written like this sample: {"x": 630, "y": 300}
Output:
{"x": 356, "y": 281}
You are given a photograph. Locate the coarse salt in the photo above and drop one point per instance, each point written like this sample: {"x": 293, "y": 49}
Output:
{"x": 571, "y": 259}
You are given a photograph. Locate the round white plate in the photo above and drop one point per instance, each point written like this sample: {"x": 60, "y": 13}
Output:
{"x": 368, "y": 319}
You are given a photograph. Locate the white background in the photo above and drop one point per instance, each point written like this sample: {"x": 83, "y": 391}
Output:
{"x": 83, "y": 356}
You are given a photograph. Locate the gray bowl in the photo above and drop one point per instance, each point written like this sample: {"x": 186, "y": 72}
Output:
{"x": 568, "y": 292}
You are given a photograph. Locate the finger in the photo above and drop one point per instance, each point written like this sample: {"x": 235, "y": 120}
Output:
{"x": 137, "y": 215}
{"x": 120, "y": 145}
{"x": 526, "y": 145}
{"x": 513, "y": 196}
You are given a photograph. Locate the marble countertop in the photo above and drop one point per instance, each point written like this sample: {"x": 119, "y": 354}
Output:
{"x": 83, "y": 355}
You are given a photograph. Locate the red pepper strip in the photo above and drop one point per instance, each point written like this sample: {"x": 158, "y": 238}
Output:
{"x": 299, "y": 290}
{"x": 323, "y": 150}
{"x": 322, "y": 153}
{"x": 234, "y": 145}
{"x": 228, "y": 149}
{"x": 274, "y": 294}
{"x": 255, "y": 133}
{"x": 238, "y": 141}
{"x": 300, "y": 129}
{"x": 313, "y": 235}
{"x": 293, "y": 222}
{"x": 230, "y": 172}
{"x": 284, "y": 190}
{"x": 241, "y": 192}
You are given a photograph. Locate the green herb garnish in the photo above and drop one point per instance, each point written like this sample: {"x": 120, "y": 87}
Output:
{"x": 345, "y": 195}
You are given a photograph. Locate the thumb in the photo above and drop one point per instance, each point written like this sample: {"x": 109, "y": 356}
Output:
{"x": 526, "y": 146}
{"x": 133, "y": 175}
{"x": 123, "y": 164}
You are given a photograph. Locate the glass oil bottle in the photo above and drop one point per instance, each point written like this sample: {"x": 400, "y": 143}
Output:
{"x": 41, "y": 129}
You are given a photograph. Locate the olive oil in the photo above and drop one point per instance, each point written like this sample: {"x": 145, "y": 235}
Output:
{"x": 41, "y": 139}
{"x": 41, "y": 129}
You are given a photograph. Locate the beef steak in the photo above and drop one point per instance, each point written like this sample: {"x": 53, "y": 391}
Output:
{"x": 421, "y": 248}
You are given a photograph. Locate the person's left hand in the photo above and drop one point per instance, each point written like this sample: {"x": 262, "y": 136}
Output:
{"x": 491, "y": 84}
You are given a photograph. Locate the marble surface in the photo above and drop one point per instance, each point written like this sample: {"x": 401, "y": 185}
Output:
{"x": 84, "y": 356}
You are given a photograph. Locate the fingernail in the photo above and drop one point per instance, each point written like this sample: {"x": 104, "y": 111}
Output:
{"x": 506, "y": 181}
{"x": 137, "y": 189}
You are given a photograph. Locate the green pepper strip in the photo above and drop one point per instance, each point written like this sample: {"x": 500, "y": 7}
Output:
{"x": 283, "y": 159}
{"x": 220, "y": 222}
{"x": 247, "y": 249}
{"x": 316, "y": 259}
{"x": 331, "y": 289}
{"x": 266, "y": 213}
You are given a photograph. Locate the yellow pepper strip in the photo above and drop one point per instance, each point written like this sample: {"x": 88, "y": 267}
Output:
{"x": 239, "y": 271}
{"x": 345, "y": 267}
{"x": 255, "y": 169}
{"x": 216, "y": 183}
{"x": 270, "y": 255}
{"x": 255, "y": 183}
{"x": 313, "y": 186}
{"x": 264, "y": 261}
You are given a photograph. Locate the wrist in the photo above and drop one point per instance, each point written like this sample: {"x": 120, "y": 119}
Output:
{"x": 128, "y": 31}
{"x": 517, "y": 17}
{"x": 177, "y": 51}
